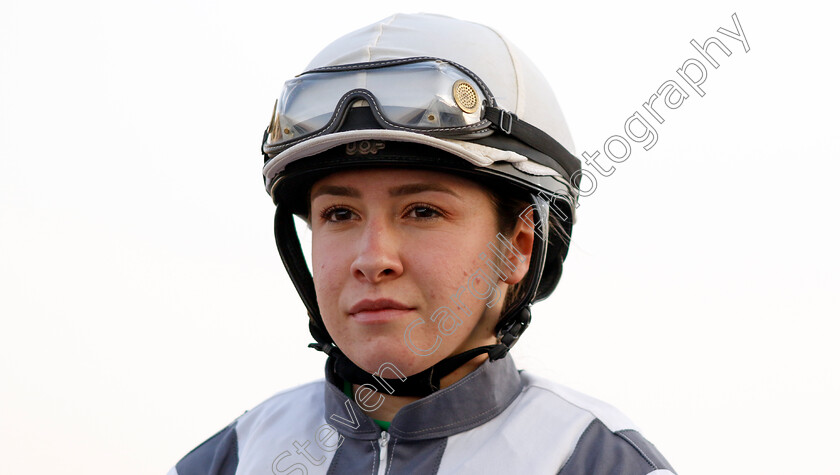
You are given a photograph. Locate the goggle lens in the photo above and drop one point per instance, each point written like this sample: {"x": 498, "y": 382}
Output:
{"x": 425, "y": 95}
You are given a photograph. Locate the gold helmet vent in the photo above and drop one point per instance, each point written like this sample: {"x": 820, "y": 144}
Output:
{"x": 465, "y": 96}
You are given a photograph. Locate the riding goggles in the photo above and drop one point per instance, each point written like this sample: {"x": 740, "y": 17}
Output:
{"x": 424, "y": 95}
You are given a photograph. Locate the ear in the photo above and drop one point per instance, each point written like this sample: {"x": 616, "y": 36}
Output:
{"x": 523, "y": 241}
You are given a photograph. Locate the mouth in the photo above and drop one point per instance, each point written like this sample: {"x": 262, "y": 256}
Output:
{"x": 378, "y": 311}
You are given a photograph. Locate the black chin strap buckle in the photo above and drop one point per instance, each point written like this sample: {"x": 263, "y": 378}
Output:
{"x": 498, "y": 352}
{"x": 510, "y": 333}
{"x": 320, "y": 346}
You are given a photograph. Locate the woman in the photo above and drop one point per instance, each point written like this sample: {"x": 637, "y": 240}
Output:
{"x": 430, "y": 159}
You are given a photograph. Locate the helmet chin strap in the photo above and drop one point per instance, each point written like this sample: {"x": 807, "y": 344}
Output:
{"x": 427, "y": 381}
{"x": 420, "y": 385}
{"x": 510, "y": 327}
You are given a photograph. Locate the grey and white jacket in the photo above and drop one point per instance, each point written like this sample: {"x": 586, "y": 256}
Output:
{"x": 495, "y": 420}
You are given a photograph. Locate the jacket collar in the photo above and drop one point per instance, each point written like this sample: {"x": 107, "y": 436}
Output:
{"x": 470, "y": 402}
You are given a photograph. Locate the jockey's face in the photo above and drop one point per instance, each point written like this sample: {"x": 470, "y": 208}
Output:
{"x": 399, "y": 260}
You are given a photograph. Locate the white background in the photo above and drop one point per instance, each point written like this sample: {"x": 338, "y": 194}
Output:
{"x": 144, "y": 306}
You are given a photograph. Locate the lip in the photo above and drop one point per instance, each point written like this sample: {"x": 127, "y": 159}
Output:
{"x": 378, "y": 311}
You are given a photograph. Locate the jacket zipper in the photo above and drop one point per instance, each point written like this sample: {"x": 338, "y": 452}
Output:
{"x": 383, "y": 451}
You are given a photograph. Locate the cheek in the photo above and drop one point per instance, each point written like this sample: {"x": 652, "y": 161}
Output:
{"x": 327, "y": 262}
{"x": 446, "y": 272}
{"x": 437, "y": 261}
{"x": 322, "y": 259}
{"x": 329, "y": 251}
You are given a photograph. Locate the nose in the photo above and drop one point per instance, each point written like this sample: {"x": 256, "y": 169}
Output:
{"x": 378, "y": 257}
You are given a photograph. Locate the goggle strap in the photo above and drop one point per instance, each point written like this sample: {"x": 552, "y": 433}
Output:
{"x": 371, "y": 65}
{"x": 510, "y": 124}
{"x": 266, "y": 158}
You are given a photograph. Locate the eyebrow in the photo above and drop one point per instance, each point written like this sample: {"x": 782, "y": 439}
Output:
{"x": 409, "y": 189}
{"x": 413, "y": 188}
{"x": 335, "y": 190}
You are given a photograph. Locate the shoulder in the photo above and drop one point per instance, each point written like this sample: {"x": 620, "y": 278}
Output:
{"x": 279, "y": 415}
{"x": 561, "y": 397}
{"x": 598, "y": 438}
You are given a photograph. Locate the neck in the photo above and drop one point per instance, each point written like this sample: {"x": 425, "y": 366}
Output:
{"x": 392, "y": 404}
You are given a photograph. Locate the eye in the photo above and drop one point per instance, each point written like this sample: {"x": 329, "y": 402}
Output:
{"x": 337, "y": 214}
{"x": 423, "y": 211}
